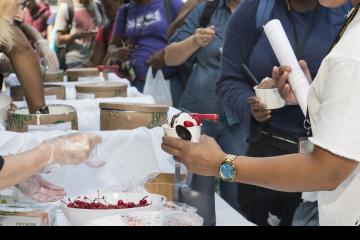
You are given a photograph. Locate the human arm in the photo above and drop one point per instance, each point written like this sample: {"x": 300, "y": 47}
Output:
{"x": 179, "y": 52}
{"x": 183, "y": 13}
{"x": 42, "y": 45}
{"x": 27, "y": 68}
{"x": 99, "y": 53}
{"x": 335, "y": 136}
{"x": 188, "y": 39}
{"x": 63, "y": 35}
{"x": 318, "y": 171}
{"x": 69, "y": 149}
{"x": 237, "y": 49}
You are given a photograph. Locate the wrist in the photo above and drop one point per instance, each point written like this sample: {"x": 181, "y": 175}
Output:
{"x": 195, "y": 42}
{"x": 219, "y": 159}
{"x": 74, "y": 36}
{"x": 227, "y": 170}
{"x": 43, "y": 153}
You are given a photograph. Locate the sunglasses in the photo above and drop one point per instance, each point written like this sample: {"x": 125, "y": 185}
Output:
{"x": 24, "y": 4}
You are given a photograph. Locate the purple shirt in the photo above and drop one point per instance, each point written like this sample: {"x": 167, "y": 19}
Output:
{"x": 146, "y": 27}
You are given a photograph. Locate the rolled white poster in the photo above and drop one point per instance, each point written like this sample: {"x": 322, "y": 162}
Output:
{"x": 286, "y": 56}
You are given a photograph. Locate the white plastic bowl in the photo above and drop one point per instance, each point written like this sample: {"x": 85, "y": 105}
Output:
{"x": 270, "y": 97}
{"x": 79, "y": 217}
{"x": 171, "y": 132}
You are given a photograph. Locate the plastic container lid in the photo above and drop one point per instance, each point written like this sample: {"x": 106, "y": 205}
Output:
{"x": 101, "y": 86}
{"x": 83, "y": 72}
{"x": 135, "y": 107}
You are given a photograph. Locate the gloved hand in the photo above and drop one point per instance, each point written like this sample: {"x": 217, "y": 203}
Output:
{"x": 71, "y": 149}
{"x": 41, "y": 190}
{"x": 50, "y": 58}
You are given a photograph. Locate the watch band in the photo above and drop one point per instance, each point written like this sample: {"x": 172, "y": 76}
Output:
{"x": 44, "y": 109}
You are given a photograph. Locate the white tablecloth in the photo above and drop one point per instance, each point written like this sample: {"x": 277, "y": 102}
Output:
{"x": 88, "y": 110}
{"x": 126, "y": 166}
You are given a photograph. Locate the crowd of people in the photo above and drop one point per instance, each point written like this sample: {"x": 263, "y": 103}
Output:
{"x": 202, "y": 46}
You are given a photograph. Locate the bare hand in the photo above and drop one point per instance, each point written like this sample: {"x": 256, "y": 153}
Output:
{"x": 204, "y": 36}
{"x": 41, "y": 190}
{"x": 258, "y": 109}
{"x": 202, "y": 158}
{"x": 157, "y": 60}
{"x": 82, "y": 34}
{"x": 281, "y": 75}
{"x": 50, "y": 57}
{"x": 121, "y": 54}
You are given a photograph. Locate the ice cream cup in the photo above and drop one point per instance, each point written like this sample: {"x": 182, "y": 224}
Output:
{"x": 270, "y": 97}
{"x": 171, "y": 132}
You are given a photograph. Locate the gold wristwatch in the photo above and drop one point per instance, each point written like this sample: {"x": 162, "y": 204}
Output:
{"x": 227, "y": 168}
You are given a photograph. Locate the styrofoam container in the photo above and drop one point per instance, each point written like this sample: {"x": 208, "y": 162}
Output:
{"x": 270, "y": 97}
{"x": 79, "y": 217}
{"x": 171, "y": 132}
{"x": 4, "y": 108}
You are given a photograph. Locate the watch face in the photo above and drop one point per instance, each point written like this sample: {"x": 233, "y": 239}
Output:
{"x": 227, "y": 171}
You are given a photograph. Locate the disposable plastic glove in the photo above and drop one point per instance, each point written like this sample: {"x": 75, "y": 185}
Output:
{"x": 50, "y": 58}
{"x": 41, "y": 190}
{"x": 71, "y": 149}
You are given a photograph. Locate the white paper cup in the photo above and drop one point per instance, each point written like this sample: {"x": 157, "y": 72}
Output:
{"x": 195, "y": 132}
{"x": 270, "y": 97}
{"x": 4, "y": 108}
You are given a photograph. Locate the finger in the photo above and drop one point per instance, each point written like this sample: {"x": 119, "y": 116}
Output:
{"x": 259, "y": 107}
{"x": 47, "y": 195}
{"x": 170, "y": 150}
{"x": 94, "y": 162}
{"x": 263, "y": 119}
{"x": 174, "y": 142}
{"x": 284, "y": 69}
{"x": 51, "y": 186}
{"x": 283, "y": 80}
{"x": 94, "y": 140}
{"x": 276, "y": 74}
{"x": 305, "y": 68}
{"x": 262, "y": 114}
{"x": 253, "y": 99}
{"x": 287, "y": 90}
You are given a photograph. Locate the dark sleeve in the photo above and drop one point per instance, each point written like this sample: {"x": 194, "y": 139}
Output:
{"x": 241, "y": 35}
{"x": 1, "y": 163}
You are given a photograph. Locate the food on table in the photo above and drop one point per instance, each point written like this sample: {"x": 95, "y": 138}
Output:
{"x": 101, "y": 203}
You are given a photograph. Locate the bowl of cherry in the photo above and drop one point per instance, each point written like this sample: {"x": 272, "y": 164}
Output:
{"x": 83, "y": 209}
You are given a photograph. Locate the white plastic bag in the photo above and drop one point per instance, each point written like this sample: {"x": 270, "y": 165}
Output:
{"x": 158, "y": 88}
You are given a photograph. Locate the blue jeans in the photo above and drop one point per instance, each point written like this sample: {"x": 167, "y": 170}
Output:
{"x": 232, "y": 140}
{"x": 177, "y": 89}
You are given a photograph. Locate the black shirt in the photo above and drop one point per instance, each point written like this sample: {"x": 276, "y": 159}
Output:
{"x": 1, "y": 162}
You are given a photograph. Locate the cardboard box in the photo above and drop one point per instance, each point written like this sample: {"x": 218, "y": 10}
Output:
{"x": 163, "y": 184}
{"x": 27, "y": 215}
{"x": 127, "y": 116}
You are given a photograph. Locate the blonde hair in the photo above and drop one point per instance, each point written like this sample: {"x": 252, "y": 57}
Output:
{"x": 7, "y": 12}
